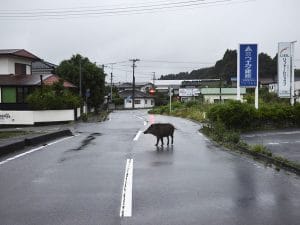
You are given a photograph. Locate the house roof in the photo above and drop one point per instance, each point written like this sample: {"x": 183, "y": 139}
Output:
{"x": 19, "y": 53}
{"x": 31, "y": 80}
{"x": 42, "y": 65}
{"x": 137, "y": 94}
{"x": 129, "y": 85}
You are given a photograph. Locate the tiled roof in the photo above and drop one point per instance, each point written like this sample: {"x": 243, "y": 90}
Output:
{"x": 39, "y": 65}
{"x": 137, "y": 94}
{"x": 18, "y": 52}
{"x": 31, "y": 80}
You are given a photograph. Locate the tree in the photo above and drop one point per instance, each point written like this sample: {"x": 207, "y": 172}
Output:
{"x": 93, "y": 78}
{"x": 53, "y": 97}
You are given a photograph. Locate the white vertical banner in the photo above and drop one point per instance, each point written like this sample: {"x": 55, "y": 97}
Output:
{"x": 284, "y": 70}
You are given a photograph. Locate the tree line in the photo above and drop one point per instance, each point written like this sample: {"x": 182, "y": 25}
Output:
{"x": 226, "y": 68}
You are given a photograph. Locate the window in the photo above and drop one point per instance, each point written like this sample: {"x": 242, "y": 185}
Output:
{"x": 9, "y": 95}
{"x": 152, "y": 102}
{"x": 22, "y": 93}
{"x": 145, "y": 101}
{"x": 20, "y": 69}
{"x": 138, "y": 101}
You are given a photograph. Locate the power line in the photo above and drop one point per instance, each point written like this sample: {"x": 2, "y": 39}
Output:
{"x": 59, "y": 14}
{"x": 175, "y": 62}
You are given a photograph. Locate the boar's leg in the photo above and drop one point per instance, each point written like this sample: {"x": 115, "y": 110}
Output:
{"x": 162, "y": 141}
{"x": 168, "y": 140}
{"x": 172, "y": 139}
{"x": 157, "y": 140}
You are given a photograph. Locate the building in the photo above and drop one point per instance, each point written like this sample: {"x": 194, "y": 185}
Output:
{"x": 141, "y": 86}
{"x": 273, "y": 88}
{"x": 17, "y": 82}
{"x": 142, "y": 100}
{"x": 42, "y": 67}
{"x": 214, "y": 95}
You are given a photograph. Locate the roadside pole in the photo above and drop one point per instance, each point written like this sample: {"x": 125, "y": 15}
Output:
{"x": 292, "y": 73}
{"x": 238, "y": 88}
{"x": 170, "y": 98}
{"x": 257, "y": 80}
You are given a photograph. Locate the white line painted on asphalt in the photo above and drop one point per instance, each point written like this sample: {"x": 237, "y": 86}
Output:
{"x": 145, "y": 122}
{"x": 34, "y": 150}
{"x": 205, "y": 138}
{"x": 126, "y": 200}
{"x": 270, "y": 134}
{"x": 273, "y": 143}
{"x": 137, "y": 135}
{"x": 139, "y": 117}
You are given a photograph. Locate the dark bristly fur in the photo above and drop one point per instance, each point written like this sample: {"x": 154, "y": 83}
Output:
{"x": 161, "y": 130}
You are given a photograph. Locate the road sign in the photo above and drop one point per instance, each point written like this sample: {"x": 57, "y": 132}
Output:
{"x": 248, "y": 65}
{"x": 284, "y": 70}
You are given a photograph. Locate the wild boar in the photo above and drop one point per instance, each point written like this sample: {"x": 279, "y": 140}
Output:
{"x": 161, "y": 130}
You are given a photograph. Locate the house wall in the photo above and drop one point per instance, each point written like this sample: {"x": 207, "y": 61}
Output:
{"x": 211, "y": 98}
{"x": 7, "y": 65}
{"x": 32, "y": 117}
{"x": 143, "y": 104}
{"x": 4, "y": 66}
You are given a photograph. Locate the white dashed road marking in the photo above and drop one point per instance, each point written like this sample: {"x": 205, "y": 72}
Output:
{"x": 126, "y": 200}
{"x": 137, "y": 135}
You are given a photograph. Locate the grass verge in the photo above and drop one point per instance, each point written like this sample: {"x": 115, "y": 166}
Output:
{"x": 9, "y": 134}
{"x": 231, "y": 140}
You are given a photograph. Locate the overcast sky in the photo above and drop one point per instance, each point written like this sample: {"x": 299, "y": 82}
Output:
{"x": 194, "y": 36}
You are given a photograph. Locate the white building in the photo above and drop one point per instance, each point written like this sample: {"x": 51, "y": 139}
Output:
{"x": 273, "y": 88}
{"x": 213, "y": 95}
{"x": 141, "y": 100}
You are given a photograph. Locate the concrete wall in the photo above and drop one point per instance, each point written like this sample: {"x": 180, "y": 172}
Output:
{"x": 32, "y": 117}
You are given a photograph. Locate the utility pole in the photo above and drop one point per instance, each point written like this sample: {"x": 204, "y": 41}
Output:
{"x": 220, "y": 88}
{"x": 80, "y": 79}
{"x": 133, "y": 79}
{"x": 111, "y": 81}
{"x": 153, "y": 78}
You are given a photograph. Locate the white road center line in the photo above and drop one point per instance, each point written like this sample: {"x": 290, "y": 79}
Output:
{"x": 34, "y": 150}
{"x": 126, "y": 200}
{"x": 137, "y": 135}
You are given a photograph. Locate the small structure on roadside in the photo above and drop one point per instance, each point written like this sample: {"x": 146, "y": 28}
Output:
{"x": 215, "y": 95}
{"x": 142, "y": 100}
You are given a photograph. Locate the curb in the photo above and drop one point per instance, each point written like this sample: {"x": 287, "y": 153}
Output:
{"x": 20, "y": 145}
{"x": 271, "y": 160}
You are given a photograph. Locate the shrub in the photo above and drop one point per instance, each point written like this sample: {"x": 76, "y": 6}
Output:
{"x": 233, "y": 114}
{"x": 53, "y": 97}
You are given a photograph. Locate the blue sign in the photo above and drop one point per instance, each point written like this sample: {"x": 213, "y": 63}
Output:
{"x": 248, "y": 65}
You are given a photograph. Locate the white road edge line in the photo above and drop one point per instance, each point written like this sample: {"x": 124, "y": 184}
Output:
{"x": 137, "y": 135}
{"x": 126, "y": 200}
{"x": 205, "y": 138}
{"x": 34, "y": 150}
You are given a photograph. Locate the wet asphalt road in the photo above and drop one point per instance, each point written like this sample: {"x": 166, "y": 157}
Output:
{"x": 79, "y": 180}
{"x": 284, "y": 142}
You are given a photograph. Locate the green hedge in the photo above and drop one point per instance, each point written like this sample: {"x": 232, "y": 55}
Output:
{"x": 52, "y": 98}
{"x": 242, "y": 116}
